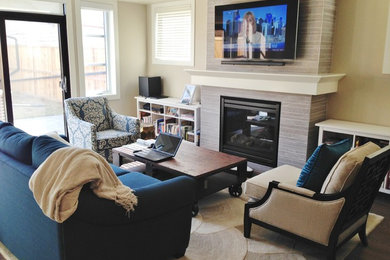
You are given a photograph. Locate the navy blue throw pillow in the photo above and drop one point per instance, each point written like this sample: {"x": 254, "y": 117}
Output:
{"x": 320, "y": 163}
{"x": 42, "y": 147}
{"x": 15, "y": 142}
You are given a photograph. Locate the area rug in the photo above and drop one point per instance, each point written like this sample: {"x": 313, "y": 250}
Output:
{"x": 217, "y": 233}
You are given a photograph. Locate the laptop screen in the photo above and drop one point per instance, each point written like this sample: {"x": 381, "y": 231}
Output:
{"x": 167, "y": 143}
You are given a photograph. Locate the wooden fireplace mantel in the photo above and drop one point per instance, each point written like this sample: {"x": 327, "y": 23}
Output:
{"x": 303, "y": 84}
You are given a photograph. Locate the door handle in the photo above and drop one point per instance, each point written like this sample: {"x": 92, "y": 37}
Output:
{"x": 62, "y": 84}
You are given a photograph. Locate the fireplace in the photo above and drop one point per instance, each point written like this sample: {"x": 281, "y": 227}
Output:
{"x": 250, "y": 128}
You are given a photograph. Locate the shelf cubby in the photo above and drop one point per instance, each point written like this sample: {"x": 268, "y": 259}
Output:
{"x": 169, "y": 115}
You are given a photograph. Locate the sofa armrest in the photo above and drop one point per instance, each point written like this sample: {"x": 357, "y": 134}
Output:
{"x": 153, "y": 201}
{"x": 81, "y": 133}
{"x": 126, "y": 123}
{"x": 160, "y": 198}
{"x": 294, "y": 210}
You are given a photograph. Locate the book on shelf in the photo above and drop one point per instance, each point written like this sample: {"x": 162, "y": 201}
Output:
{"x": 188, "y": 116}
{"x": 190, "y": 136}
{"x": 172, "y": 111}
{"x": 172, "y": 128}
{"x": 159, "y": 125}
{"x": 144, "y": 114}
{"x": 184, "y": 129}
{"x": 147, "y": 120}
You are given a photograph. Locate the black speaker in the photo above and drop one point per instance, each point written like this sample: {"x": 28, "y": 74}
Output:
{"x": 149, "y": 86}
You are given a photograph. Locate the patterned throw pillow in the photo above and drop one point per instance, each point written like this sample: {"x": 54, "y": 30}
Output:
{"x": 320, "y": 163}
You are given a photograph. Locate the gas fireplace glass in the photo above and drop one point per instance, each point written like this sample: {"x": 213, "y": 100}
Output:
{"x": 250, "y": 128}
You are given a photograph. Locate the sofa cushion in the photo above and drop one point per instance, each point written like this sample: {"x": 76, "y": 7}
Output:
{"x": 58, "y": 137}
{"x": 344, "y": 171}
{"x": 137, "y": 180}
{"x": 16, "y": 143}
{"x": 257, "y": 186}
{"x": 42, "y": 147}
{"x": 118, "y": 171}
{"x": 3, "y": 124}
{"x": 320, "y": 163}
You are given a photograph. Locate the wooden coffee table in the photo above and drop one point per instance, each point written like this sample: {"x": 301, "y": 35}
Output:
{"x": 209, "y": 168}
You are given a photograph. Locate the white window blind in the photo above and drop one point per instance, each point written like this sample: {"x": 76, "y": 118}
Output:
{"x": 173, "y": 33}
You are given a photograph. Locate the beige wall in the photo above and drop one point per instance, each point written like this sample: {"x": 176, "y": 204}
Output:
{"x": 174, "y": 78}
{"x": 364, "y": 94}
{"x": 132, "y": 53}
{"x": 359, "y": 41}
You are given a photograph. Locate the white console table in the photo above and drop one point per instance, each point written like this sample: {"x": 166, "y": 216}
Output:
{"x": 333, "y": 130}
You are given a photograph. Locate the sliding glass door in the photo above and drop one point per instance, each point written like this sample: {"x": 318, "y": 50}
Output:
{"x": 35, "y": 70}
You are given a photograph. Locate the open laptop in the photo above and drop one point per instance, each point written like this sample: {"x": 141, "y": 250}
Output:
{"x": 165, "y": 147}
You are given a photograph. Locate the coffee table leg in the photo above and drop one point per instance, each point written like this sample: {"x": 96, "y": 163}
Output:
{"x": 149, "y": 169}
{"x": 195, "y": 209}
{"x": 236, "y": 189}
{"x": 116, "y": 158}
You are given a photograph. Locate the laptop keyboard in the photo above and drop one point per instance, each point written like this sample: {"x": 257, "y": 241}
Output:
{"x": 154, "y": 155}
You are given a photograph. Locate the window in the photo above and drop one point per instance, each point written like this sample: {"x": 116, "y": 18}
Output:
{"x": 173, "y": 33}
{"x": 32, "y": 6}
{"x": 99, "y": 71}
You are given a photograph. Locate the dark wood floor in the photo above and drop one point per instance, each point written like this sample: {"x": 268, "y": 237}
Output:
{"x": 379, "y": 239}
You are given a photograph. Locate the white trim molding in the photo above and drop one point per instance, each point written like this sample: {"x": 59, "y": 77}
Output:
{"x": 303, "y": 84}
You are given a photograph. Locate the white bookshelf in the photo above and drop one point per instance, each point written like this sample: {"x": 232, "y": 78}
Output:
{"x": 333, "y": 130}
{"x": 171, "y": 116}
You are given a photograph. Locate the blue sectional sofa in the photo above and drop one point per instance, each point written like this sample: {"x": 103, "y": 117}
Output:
{"x": 159, "y": 228}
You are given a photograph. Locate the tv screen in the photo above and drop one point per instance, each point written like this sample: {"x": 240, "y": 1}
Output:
{"x": 261, "y": 30}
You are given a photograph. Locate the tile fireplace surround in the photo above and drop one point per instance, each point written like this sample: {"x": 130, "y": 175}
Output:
{"x": 303, "y": 100}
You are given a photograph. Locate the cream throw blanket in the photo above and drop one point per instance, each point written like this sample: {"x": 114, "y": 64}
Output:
{"x": 57, "y": 182}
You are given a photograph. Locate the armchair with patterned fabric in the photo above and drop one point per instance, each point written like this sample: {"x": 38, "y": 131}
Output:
{"x": 94, "y": 125}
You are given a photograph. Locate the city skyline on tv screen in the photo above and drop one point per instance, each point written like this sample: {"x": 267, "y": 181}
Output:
{"x": 252, "y": 32}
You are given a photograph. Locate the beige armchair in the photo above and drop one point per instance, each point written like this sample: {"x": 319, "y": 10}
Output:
{"x": 328, "y": 218}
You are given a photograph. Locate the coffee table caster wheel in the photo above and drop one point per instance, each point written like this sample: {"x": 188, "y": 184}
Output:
{"x": 195, "y": 210}
{"x": 235, "y": 191}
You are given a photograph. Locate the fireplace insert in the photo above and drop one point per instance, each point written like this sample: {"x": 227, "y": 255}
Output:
{"x": 250, "y": 128}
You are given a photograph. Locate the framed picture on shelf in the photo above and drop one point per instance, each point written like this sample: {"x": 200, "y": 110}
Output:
{"x": 188, "y": 94}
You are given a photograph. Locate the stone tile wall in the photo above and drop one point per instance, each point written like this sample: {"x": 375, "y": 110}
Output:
{"x": 299, "y": 113}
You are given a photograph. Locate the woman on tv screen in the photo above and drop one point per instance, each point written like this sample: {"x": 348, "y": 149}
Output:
{"x": 251, "y": 43}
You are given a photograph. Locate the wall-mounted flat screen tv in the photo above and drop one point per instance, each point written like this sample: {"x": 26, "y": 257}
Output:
{"x": 261, "y": 30}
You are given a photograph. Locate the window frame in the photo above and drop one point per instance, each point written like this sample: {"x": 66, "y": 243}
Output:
{"x": 112, "y": 61}
{"x": 161, "y": 7}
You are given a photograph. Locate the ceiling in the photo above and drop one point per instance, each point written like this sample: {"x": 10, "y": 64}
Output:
{"x": 145, "y": 1}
